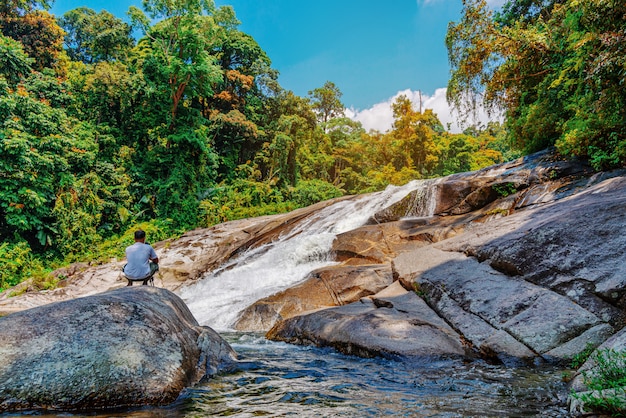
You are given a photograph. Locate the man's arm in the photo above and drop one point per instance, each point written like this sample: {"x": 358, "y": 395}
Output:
{"x": 153, "y": 256}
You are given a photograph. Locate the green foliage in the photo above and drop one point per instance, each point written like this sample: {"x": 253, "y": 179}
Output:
{"x": 17, "y": 7}
{"x": 505, "y": 189}
{"x": 607, "y": 382}
{"x": 17, "y": 263}
{"x": 308, "y": 192}
{"x": 326, "y": 101}
{"x": 93, "y": 37}
{"x": 39, "y": 34}
{"x": 187, "y": 128}
{"x": 14, "y": 63}
{"x": 242, "y": 199}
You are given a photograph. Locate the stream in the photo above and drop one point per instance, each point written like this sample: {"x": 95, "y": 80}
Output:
{"x": 276, "y": 379}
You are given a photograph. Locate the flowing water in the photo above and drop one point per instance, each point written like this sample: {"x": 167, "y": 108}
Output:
{"x": 277, "y": 379}
{"x": 218, "y": 298}
{"x": 282, "y": 380}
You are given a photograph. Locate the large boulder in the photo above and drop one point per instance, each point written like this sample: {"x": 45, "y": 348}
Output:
{"x": 393, "y": 323}
{"x": 574, "y": 246}
{"x": 127, "y": 347}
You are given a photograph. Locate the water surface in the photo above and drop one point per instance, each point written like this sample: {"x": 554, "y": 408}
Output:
{"x": 278, "y": 379}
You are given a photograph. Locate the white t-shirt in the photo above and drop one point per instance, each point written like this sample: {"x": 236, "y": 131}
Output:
{"x": 138, "y": 258}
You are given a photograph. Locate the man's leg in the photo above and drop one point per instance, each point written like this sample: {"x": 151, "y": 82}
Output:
{"x": 154, "y": 267}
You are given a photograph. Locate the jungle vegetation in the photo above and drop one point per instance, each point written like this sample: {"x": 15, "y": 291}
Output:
{"x": 185, "y": 125}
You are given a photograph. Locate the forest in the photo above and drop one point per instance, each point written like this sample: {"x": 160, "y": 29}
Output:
{"x": 171, "y": 118}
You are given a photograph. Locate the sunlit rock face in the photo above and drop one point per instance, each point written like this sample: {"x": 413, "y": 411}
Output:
{"x": 127, "y": 347}
{"x": 331, "y": 286}
{"x": 397, "y": 324}
{"x": 524, "y": 261}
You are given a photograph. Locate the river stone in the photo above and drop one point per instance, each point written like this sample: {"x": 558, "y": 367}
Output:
{"x": 465, "y": 192}
{"x": 325, "y": 287}
{"x": 467, "y": 293}
{"x": 128, "y": 347}
{"x": 403, "y": 326}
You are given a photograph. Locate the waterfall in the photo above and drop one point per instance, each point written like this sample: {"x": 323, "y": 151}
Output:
{"x": 217, "y": 299}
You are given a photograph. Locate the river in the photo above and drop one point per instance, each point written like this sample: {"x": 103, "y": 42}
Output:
{"x": 277, "y": 379}
{"x": 284, "y": 380}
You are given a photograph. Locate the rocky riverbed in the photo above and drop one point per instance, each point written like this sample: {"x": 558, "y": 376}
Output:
{"x": 520, "y": 264}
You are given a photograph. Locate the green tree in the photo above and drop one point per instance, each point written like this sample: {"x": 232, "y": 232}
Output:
{"x": 14, "y": 63}
{"x": 39, "y": 34}
{"x": 556, "y": 67}
{"x": 238, "y": 106}
{"x": 413, "y": 132}
{"x": 178, "y": 48}
{"x": 16, "y": 8}
{"x": 93, "y": 37}
{"x": 326, "y": 102}
{"x": 176, "y": 158}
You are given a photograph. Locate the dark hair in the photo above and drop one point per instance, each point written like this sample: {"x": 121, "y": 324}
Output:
{"x": 139, "y": 234}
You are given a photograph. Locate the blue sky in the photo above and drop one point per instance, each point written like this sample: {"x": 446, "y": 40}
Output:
{"x": 372, "y": 50}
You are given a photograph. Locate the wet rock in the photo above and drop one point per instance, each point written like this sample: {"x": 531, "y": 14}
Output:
{"x": 402, "y": 326}
{"x": 126, "y": 347}
{"x": 466, "y": 192}
{"x": 182, "y": 261}
{"x": 524, "y": 260}
{"x": 330, "y": 286}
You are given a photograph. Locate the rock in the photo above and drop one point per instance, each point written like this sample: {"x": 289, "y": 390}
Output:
{"x": 523, "y": 260}
{"x": 330, "y": 286}
{"x": 122, "y": 348}
{"x": 182, "y": 261}
{"x": 398, "y": 326}
{"x": 538, "y": 319}
{"x": 465, "y": 192}
{"x": 616, "y": 342}
{"x": 573, "y": 246}
{"x": 567, "y": 352}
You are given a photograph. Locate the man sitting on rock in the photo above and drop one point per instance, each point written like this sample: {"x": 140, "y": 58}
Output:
{"x": 142, "y": 260}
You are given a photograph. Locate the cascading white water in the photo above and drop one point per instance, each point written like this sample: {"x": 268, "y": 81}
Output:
{"x": 218, "y": 298}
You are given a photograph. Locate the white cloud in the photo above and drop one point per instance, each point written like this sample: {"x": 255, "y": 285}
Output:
{"x": 380, "y": 116}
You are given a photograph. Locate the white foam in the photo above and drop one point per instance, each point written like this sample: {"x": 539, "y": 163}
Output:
{"x": 217, "y": 299}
